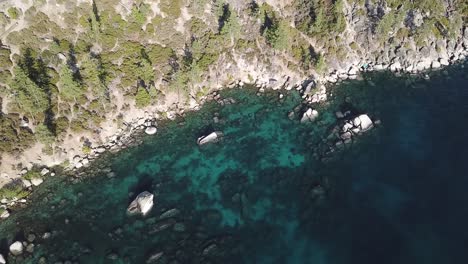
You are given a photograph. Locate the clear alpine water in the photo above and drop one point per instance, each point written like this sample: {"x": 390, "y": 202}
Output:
{"x": 271, "y": 191}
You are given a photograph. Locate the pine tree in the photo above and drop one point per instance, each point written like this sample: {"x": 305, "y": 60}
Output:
{"x": 28, "y": 96}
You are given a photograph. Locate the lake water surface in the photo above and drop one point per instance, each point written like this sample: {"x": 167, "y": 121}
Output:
{"x": 270, "y": 191}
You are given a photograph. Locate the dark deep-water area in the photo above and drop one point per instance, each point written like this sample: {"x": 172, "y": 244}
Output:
{"x": 269, "y": 192}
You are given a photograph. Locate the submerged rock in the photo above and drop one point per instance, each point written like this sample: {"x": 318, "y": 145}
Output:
{"x": 162, "y": 225}
{"x": 30, "y": 248}
{"x": 154, "y": 257}
{"x": 169, "y": 213}
{"x": 211, "y": 138}
{"x": 16, "y": 248}
{"x": 142, "y": 204}
{"x": 209, "y": 249}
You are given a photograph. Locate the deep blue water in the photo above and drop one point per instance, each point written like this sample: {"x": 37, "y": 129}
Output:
{"x": 269, "y": 192}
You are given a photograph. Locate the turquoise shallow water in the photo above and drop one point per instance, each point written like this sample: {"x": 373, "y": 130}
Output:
{"x": 269, "y": 193}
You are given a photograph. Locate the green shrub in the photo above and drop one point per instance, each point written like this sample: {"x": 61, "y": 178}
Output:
{"x": 353, "y": 45}
{"x": 142, "y": 98}
{"x": 86, "y": 149}
{"x": 12, "y": 190}
{"x": 320, "y": 64}
{"x": 44, "y": 135}
{"x": 32, "y": 174}
{"x": 13, "y": 12}
{"x": 171, "y": 8}
{"x": 61, "y": 125}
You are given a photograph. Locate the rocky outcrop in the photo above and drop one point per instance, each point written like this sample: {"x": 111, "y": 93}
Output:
{"x": 4, "y": 213}
{"x": 309, "y": 116}
{"x": 37, "y": 181}
{"x": 151, "y": 130}
{"x": 210, "y": 138}
{"x": 16, "y": 248}
{"x": 142, "y": 204}
{"x": 355, "y": 126}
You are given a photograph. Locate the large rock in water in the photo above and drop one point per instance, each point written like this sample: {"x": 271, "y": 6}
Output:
{"x": 151, "y": 130}
{"x": 2, "y": 259}
{"x": 211, "y": 138}
{"x": 366, "y": 122}
{"x": 309, "y": 116}
{"x": 16, "y": 248}
{"x": 142, "y": 204}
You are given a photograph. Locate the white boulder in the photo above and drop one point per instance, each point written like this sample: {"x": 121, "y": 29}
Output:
{"x": 357, "y": 121}
{"x": 435, "y": 65}
{"x": 211, "y": 138}
{"x": 2, "y": 259}
{"x": 78, "y": 165}
{"x": 353, "y": 70}
{"x": 444, "y": 62}
{"x": 142, "y": 204}
{"x": 26, "y": 183}
{"x": 44, "y": 171}
{"x": 37, "y": 181}
{"x": 366, "y": 122}
{"x": 5, "y": 214}
{"x": 151, "y": 130}
{"x": 16, "y": 248}
{"x": 309, "y": 116}
{"x": 396, "y": 66}
{"x": 347, "y": 126}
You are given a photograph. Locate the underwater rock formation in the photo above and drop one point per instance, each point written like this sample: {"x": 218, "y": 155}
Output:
{"x": 211, "y": 138}
{"x": 142, "y": 204}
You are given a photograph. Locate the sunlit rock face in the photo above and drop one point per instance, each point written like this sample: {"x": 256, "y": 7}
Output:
{"x": 142, "y": 204}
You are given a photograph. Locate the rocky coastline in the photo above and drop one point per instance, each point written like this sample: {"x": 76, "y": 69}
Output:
{"x": 313, "y": 90}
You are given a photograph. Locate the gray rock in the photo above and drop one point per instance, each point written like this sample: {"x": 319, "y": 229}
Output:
{"x": 396, "y": 66}
{"x": 151, "y": 130}
{"x": 37, "y": 181}
{"x": 26, "y": 183}
{"x": 169, "y": 213}
{"x": 211, "y": 138}
{"x": 444, "y": 62}
{"x": 366, "y": 122}
{"x": 154, "y": 257}
{"x": 142, "y": 204}
{"x": 209, "y": 249}
{"x": 31, "y": 237}
{"x": 44, "y": 171}
{"x": 5, "y": 214}
{"x": 179, "y": 227}
{"x": 309, "y": 116}
{"x": 46, "y": 235}
{"x": 346, "y": 135}
{"x": 30, "y": 248}
{"x": 16, "y": 248}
